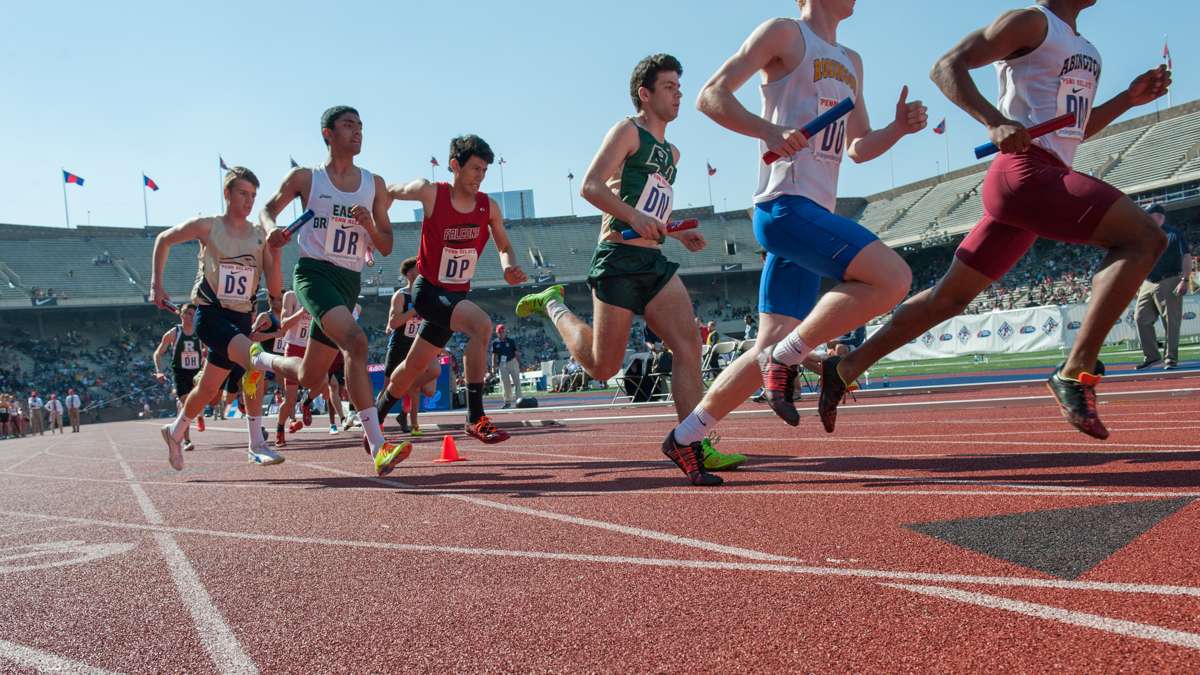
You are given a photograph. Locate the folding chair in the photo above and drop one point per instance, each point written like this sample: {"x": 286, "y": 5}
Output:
{"x": 619, "y": 396}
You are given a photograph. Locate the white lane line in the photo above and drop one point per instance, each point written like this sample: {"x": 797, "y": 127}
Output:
{"x": 924, "y": 479}
{"x": 44, "y": 662}
{"x": 32, "y": 457}
{"x": 214, "y": 632}
{"x": 36, "y": 529}
{"x": 670, "y": 563}
{"x": 573, "y": 520}
{"x": 1135, "y": 629}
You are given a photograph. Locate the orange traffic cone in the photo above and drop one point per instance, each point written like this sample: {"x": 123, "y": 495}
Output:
{"x": 449, "y": 452}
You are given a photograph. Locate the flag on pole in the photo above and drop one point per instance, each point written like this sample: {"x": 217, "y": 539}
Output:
{"x": 1167, "y": 55}
{"x": 502, "y": 161}
{"x": 224, "y": 167}
{"x": 941, "y": 127}
{"x": 294, "y": 164}
{"x": 570, "y": 176}
{"x": 711, "y": 170}
{"x": 69, "y": 177}
{"x": 433, "y": 161}
{"x": 149, "y": 182}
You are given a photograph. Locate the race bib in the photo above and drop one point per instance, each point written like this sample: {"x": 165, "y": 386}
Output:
{"x": 189, "y": 357}
{"x": 656, "y": 198}
{"x": 412, "y": 327}
{"x": 1075, "y": 96}
{"x": 458, "y": 265}
{"x": 345, "y": 241}
{"x": 827, "y": 146}
{"x": 279, "y": 346}
{"x": 235, "y": 282}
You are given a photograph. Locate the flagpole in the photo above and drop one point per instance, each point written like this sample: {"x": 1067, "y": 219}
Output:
{"x": 66, "y": 211}
{"x": 571, "y": 191}
{"x": 145, "y": 208}
{"x": 1166, "y": 53}
{"x": 220, "y": 186}
{"x": 708, "y": 172}
{"x": 947, "y": 135}
{"x": 503, "y": 194}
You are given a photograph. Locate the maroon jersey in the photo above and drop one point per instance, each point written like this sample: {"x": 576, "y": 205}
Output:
{"x": 451, "y": 242}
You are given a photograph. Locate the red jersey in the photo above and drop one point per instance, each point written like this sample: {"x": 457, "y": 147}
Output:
{"x": 451, "y": 242}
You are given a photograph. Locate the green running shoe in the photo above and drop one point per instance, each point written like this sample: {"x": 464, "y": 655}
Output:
{"x": 251, "y": 378}
{"x": 715, "y": 460}
{"x": 535, "y": 303}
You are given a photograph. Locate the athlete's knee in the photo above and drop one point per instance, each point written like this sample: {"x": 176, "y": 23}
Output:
{"x": 945, "y": 302}
{"x": 356, "y": 345}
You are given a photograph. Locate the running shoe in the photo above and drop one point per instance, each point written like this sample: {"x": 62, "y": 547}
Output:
{"x": 401, "y": 419}
{"x": 200, "y": 423}
{"x": 174, "y": 449}
{"x": 484, "y": 430}
{"x": 416, "y": 430}
{"x": 688, "y": 459}
{"x": 389, "y": 455}
{"x": 715, "y": 460}
{"x": 263, "y": 455}
{"x": 306, "y": 412}
{"x": 187, "y": 445}
{"x": 535, "y": 303}
{"x": 833, "y": 390}
{"x": 1077, "y": 401}
{"x": 253, "y": 376}
{"x": 333, "y": 429}
{"x": 779, "y": 385}
{"x": 1170, "y": 365}
{"x": 295, "y": 426}
{"x": 1146, "y": 363}
{"x": 280, "y": 440}
{"x": 350, "y": 421}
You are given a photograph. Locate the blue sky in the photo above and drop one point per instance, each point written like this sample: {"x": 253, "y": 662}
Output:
{"x": 109, "y": 90}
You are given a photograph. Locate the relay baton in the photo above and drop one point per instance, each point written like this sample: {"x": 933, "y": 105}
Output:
{"x": 672, "y": 227}
{"x": 298, "y": 223}
{"x": 1048, "y": 127}
{"x": 171, "y": 307}
{"x": 818, "y": 124}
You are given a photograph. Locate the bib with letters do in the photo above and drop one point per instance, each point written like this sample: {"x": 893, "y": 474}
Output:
{"x": 451, "y": 241}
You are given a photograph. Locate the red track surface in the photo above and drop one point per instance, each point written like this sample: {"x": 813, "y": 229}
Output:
{"x": 579, "y": 548}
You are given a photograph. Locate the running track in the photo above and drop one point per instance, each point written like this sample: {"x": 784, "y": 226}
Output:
{"x": 948, "y": 537}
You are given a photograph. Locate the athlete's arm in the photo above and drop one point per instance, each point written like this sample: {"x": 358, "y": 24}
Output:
{"x": 1015, "y": 33}
{"x": 773, "y": 46}
{"x": 692, "y": 240}
{"x": 296, "y": 184}
{"x": 513, "y": 274}
{"x": 290, "y": 313}
{"x": 165, "y": 343}
{"x": 864, "y": 144}
{"x": 620, "y": 143}
{"x": 1145, "y": 88}
{"x": 396, "y": 314}
{"x": 274, "y": 280}
{"x": 419, "y": 190}
{"x": 196, "y": 229}
{"x": 381, "y": 227}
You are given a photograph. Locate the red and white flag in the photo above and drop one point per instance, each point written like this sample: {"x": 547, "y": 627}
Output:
{"x": 711, "y": 170}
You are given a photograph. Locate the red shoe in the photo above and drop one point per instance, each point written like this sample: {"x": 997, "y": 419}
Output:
{"x": 306, "y": 412}
{"x": 779, "y": 386}
{"x": 295, "y": 426}
{"x": 280, "y": 441}
{"x": 484, "y": 430}
{"x": 200, "y": 423}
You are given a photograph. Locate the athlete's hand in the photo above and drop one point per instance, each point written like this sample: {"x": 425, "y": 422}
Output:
{"x": 647, "y": 227}
{"x": 277, "y": 238}
{"x": 1182, "y": 288}
{"x": 262, "y": 322}
{"x": 1149, "y": 86}
{"x": 363, "y": 215}
{"x": 784, "y": 141}
{"x": 911, "y": 116}
{"x": 159, "y": 297}
{"x": 692, "y": 240}
{"x": 515, "y": 276}
{"x": 1010, "y": 137}
{"x": 161, "y": 378}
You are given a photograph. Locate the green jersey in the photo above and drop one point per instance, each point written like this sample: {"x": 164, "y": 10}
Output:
{"x": 646, "y": 181}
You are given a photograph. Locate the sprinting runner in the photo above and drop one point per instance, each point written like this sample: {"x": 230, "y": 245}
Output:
{"x": 186, "y": 360}
{"x": 1046, "y": 68}
{"x": 458, "y": 221}
{"x": 350, "y": 206}
{"x": 233, "y": 259}
{"x": 403, "y": 325}
{"x": 630, "y": 181}
{"x": 804, "y": 72}
{"x": 295, "y": 323}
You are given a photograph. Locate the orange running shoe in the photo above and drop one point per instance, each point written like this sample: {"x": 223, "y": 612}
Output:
{"x": 484, "y": 430}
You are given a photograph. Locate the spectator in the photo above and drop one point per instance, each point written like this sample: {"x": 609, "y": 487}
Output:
{"x": 54, "y": 410}
{"x": 35, "y": 414}
{"x": 1161, "y": 295}
{"x": 751, "y": 331}
{"x": 73, "y": 406}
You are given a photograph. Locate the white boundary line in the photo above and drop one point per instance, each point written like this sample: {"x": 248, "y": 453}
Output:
{"x": 214, "y": 632}
{"x": 1134, "y": 629}
{"x": 669, "y": 563}
{"x": 44, "y": 662}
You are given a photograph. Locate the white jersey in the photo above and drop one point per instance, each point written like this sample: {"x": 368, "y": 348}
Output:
{"x": 298, "y": 333}
{"x": 1060, "y": 76}
{"x": 334, "y": 235}
{"x": 825, "y": 76}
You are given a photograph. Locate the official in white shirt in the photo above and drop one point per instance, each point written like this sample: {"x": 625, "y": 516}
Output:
{"x": 73, "y": 407}
{"x": 54, "y": 408}
{"x": 35, "y": 414}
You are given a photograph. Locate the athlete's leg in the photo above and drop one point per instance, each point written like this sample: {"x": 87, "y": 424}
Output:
{"x": 1134, "y": 242}
{"x": 406, "y": 376}
{"x": 669, "y": 315}
{"x": 469, "y": 319}
{"x": 211, "y": 379}
{"x": 743, "y": 377}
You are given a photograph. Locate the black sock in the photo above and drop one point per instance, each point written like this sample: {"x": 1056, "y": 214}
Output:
{"x": 384, "y": 403}
{"x": 279, "y": 428}
{"x": 307, "y": 401}
{"x": 474, "y": 401}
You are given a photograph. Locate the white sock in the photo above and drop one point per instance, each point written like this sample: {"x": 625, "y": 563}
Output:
{"x": 255, "y": 430}
{"x": 791, "y": 350}
{"x": 555, "y": 309}
{"x": 180, "y": 426}
{"x": 264, "y": 361}
{"x": 370, "y": 422}
{"x": 693, "y": 428}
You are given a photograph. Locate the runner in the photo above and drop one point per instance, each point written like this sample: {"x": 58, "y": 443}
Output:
{"x": 403, "y": 326}
{"x": 458, "y": 220}
{"x": 233, "y": 258}
{"x": 1045, "y": 69}
{"x": 350, "y": 206}
{"x": 5, "y": 407}
{"x": 804, "y": 72}
{"x": 295, "y": 322}
{"x": 630, "y": 181}
{"x": 186, "y": 361}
